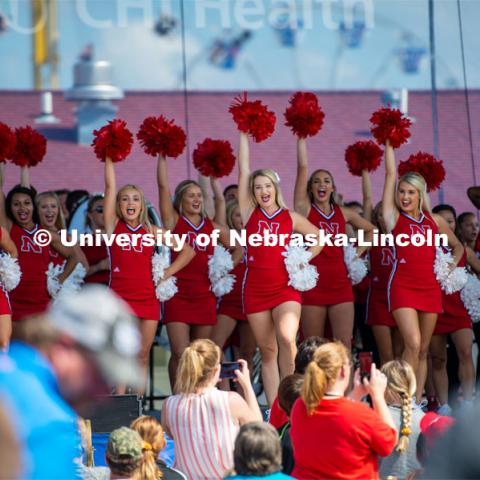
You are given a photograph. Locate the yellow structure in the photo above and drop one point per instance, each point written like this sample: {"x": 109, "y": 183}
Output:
{"x": 45, "y": 39}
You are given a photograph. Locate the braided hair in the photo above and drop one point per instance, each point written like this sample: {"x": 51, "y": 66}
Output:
{"x": 401, "y": 386}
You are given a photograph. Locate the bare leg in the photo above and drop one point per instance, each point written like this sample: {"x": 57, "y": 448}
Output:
{"x": 286, "y": 318}
{"x": 466, "y": 372}
{"x": 341, "y": 319}
{"x": 407, "y": 321}
{"x": 223, "y": 329}
{"x": 247, "y": 343}
{"x": 383, "y": 339}
{"x": 179, "y": 338}
{"x": 198, "y": 332}
{"x": 313, "y": 320}
{"x": 427, "y": 326}
{"x": 438, "y": 351}
{"x": 5, "y": 332}
{"x": 148, "y": 329}
{"x": 264, "y": 332}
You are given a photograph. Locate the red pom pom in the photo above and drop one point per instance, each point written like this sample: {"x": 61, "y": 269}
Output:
{"x": 253, "y": 118}
{"x": 8, "y": 140}
{"x": 366, "y": 155}
{"x": 113, "y": 140}
{"x": 159, "y": 136}
{"x": 214, "y": 158}
{"x": 427, "y": 166}
{"x": 304, "y": 116}
{"x": 31, "y": 147}
{"x": 390, "y": 124}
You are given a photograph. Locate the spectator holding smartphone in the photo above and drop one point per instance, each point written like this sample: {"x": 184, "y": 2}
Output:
{"x": 334, "y": 436}
{"x": 203, "y": 420}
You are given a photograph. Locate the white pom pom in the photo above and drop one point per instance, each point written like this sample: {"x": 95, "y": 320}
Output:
{"x": 302, "y": 275}
{"x": 53, "y": 285}
{"x": 72, "y": 284}
{"x": 164, "y": 289}
{"x": 450, "y": 280}
{"x": 470, "y": 295}
{"x": 356, "y": 266}
{"x": 223, "y": 285}
{"x": 219, "y": 264}
{"x": 10, "y": 273}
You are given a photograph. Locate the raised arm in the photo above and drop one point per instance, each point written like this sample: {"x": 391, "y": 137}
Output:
{"x": 167, "y": 212}
{"x": 25, "y": 177}
{"x": 4, "y": 220}
{"x": 7, "y": 245}
{"x": 220, "y": 205}
{"x": 359, "y": 223}
{"x": 244, "y": 200}
{"x": 301, "y": 202}
{"x": 367, "y": 196}
{"x": 389, "y": 209}
{"x": 109, "y": 203}
{"x": 208, "y": 200}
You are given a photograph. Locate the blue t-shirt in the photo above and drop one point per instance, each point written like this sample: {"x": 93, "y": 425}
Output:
{"x": 271, "y": 476}
{"x": 46, "y": 426}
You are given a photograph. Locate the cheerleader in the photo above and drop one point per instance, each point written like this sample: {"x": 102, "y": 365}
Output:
{"x": 7, "y": 246}
{"x": 230, "y": 314}
{"x": 456, "y": 322}
{"x": 97, "y": 255}
{"x": 191, "y": 313}
{"x": 131, "y": 279}
{"x": 415, "y": 297}
{"x": 271, "y": 305}
{"x": 333, "y": 295}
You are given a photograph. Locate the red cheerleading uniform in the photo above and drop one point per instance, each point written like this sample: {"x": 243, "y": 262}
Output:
{"x": 55, "y": 257}
{"x": 413, "y": 283}
{"x": 95, "y": 254}
{"x": 31, "y": 296}
{"x": 382, "y": 260}
{"x": 5, "y": 308}
{"x": 131, "y": 273}
{"x": 266, "y": 279}
{"x": 333, "y": 286}
{"x": 231, "y": 304}
{"x": 455, "y": 316}
{"x": 194, "y": 303}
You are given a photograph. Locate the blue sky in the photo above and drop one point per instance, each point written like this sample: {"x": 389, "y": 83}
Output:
{"x": 122, "y": 32}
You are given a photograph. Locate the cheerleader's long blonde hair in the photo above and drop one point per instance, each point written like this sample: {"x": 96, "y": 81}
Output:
{"x": 274, "y": 178}
{"x": 418, "y": 182}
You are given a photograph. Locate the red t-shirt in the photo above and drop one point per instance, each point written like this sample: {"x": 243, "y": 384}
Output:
{"x": 278, "y": 417}
{"x": 342, "y": 439}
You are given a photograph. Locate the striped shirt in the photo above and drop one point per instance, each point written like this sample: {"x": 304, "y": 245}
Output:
{"x": 204, "y": 432}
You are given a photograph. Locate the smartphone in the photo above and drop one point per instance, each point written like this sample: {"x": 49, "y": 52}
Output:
{"x": 227, "y": 369}
{"x": 365, "y": 360}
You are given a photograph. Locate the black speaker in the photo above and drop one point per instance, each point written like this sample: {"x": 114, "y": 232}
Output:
{"x": 114, "y": 411}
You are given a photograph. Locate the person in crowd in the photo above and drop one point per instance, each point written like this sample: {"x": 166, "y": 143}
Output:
{"x": 191, "y": 313}
{"x": 125, "y": 213}
{"x": 278, "y": 418}
{"x": 272, "y": 306}
{"x": 202, "y": 420}
{"x": 230, "y": 193}
{"x": 62, "y": 196}
{"x": 357, "y": 434}
{"x": 152, "y": 466}
{"x": 289, "y": 390}
{"x": 19, "y": 217}
{"x": 468, "y": 230}
{"x": 97, "y": 255}
{"x": 257, "y": 453}
{"x": 415, "y": 297}
{"x": 57, "y": 363}
{"x": 332, "y": 297}
{"x": 401, "y": 386}
{"x": 124, "y": 455}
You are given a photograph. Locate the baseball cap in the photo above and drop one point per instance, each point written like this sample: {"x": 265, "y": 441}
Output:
{"x": 124, "y": 446}
{"x": 102, "y": 323}
{"x": 434, "y": 426}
